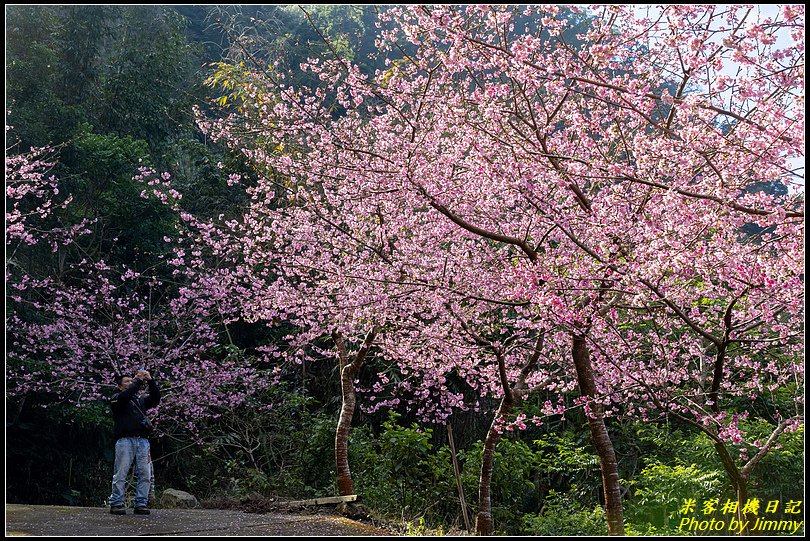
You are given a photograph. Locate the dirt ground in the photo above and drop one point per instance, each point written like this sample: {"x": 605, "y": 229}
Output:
{"x": 97, "y": 521}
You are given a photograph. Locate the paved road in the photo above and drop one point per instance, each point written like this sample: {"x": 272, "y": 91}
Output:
{"x": 97, "y": 521}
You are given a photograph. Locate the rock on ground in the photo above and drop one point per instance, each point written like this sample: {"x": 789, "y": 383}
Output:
{"x": 172, "y": 498}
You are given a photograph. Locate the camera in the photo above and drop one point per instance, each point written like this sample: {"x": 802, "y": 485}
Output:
{"x": 146, "y": 424}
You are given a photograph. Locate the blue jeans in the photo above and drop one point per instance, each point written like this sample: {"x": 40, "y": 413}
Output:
{"x": 127, "y": 451}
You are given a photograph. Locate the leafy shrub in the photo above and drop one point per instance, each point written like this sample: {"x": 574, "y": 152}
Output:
{"x": 513, "y": 492}
{"x": 660, "y": 491}
{"x": 569, "y": 464}
{"x": 562, "y": 515}
{"x": 401, "y": 473}
{"x": 281, "y": 449}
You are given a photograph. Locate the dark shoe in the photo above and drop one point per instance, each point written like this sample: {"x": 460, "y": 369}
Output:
{"x": 141, "y": 510}
{"x": 118, "y": 510}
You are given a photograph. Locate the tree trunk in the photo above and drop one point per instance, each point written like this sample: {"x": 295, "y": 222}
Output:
{"x": 744, "y": 518}
{"x": 344, "y": 475}
{"x": 483, "y": 522}
{"x": 740, "y": 485}
{"x": 348, "y": 368}
{"x": 599, "y": 436}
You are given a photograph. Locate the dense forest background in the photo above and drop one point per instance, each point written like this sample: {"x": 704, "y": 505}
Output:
{"x": 112, "y": 89}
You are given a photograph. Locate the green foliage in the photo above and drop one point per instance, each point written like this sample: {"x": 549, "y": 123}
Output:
{"x": 404, "y": 474}
{"x": 670, "y": 444}
{"x": 129, "y": 228}
{"x": 681, "y": 464}
{"x": 562, "y": 516}
{"x": 61, "y": 455}
{"x": 148, "y": 93}
{"x": 194, "y": 167}
{"x": 38, "y": 112}
{"x": 323, "y": 31}
{"x": 347, "y": 27}
{"x": 127, "y": 70}
{"x": 421, "y": 529}
{"x": 401, "y": 473}
{"x": 513, "y": 487}
{"x": 660, "y": 490}
{"x": 111, "y": 85}
{"x": 779, "y": 476}
{"x": 570, "y": 460}
{"x": 231, "y": 82}
{"x": 275, "y": 445}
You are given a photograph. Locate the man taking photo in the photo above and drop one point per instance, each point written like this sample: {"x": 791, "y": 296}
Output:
{"x": 132, "y": 429}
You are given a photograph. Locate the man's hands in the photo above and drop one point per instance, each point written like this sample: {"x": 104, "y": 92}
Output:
{"x": 143, "y": 375}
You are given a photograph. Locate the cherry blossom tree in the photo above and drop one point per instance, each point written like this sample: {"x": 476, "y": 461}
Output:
{"x": 114, "y": 323}
{"x": 582, "y": 178}
{"x": 279, "y": 264}
{"x": 32, "y": 197}
{"x": 70, "y": 333}
{"x": 729, "y": 329}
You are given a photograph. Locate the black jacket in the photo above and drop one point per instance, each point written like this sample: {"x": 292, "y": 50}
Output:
{"x": 129, "y": 409}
